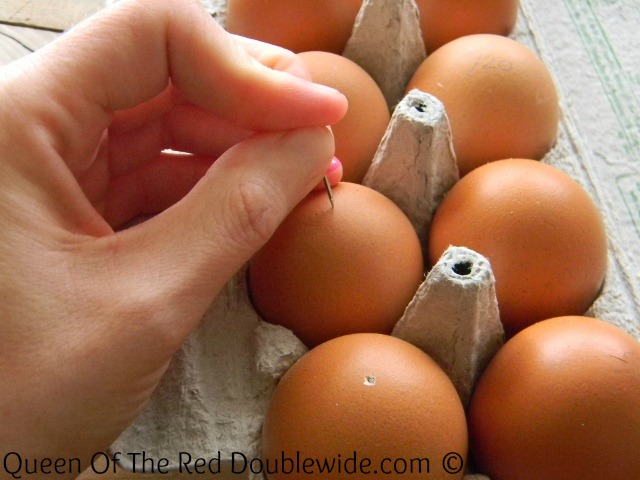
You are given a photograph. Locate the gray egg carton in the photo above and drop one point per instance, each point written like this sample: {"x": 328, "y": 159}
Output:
{"x": 212, "y": 399}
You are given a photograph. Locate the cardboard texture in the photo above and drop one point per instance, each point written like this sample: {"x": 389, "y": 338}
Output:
{"x": 213, "y": 396}
{"x": 395, "y": 28}
{"x": 454, "y": 317}
{"x": 415, "y": 152}
{"x": 216, "y": 390}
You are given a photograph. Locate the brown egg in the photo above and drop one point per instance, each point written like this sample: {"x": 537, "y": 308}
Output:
{"x": 560, "y": 401}
{"x": 540, "y": 231}
{"x": 358, "y": 134}
{"x": 328, "y": 272}
{"x": 293, "y": 24}
{"x": 500, "y": 98}
{"x": 445, "y": 20}
{"x": 373, "y": 404}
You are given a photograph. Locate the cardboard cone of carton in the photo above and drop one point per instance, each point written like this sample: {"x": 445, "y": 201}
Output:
{"x": 415, "y": 164}
{"x": 454, "y": 317}
{"x": 387, "y": 43}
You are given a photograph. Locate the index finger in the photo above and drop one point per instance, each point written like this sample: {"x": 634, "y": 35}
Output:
{"x": 128, "y": 54}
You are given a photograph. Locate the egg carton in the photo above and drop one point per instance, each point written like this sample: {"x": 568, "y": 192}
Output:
{"x": 211, "y": 401}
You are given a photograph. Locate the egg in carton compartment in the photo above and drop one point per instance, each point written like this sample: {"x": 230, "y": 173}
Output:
{"x": 211, "y": 401}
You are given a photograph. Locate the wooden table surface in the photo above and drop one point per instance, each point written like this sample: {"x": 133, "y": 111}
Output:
{"x": 26, "y": 25}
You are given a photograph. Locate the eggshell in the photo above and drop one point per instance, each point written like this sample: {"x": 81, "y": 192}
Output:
{"x": 442, "y": 21}
{"x": 500, "y": 98}
{"x": 293, "y": 24}
{"x": 328, "y": 272}
{"x": 560, "y": 401}
{"x": 358, "y": 134}
{"x": 540, "y": 231}
{"x": 372, "y": 397}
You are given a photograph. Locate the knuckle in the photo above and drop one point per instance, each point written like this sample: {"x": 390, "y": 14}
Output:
{"x": 257, "y": 210}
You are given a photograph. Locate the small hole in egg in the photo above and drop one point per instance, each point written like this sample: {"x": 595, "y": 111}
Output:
{"x": 369, "y": 380}
{"x": 462, "y": 268}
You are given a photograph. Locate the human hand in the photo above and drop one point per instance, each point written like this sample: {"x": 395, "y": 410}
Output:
{"x": 91, "y": 315}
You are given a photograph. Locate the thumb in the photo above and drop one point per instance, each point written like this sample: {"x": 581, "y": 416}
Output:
{"x": 191, "y": 250}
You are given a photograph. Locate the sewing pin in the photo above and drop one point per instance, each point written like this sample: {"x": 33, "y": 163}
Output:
{"x": 327, "y": 187}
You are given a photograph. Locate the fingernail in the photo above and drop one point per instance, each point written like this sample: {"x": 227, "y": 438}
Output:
{"x": 325, "y": 89}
